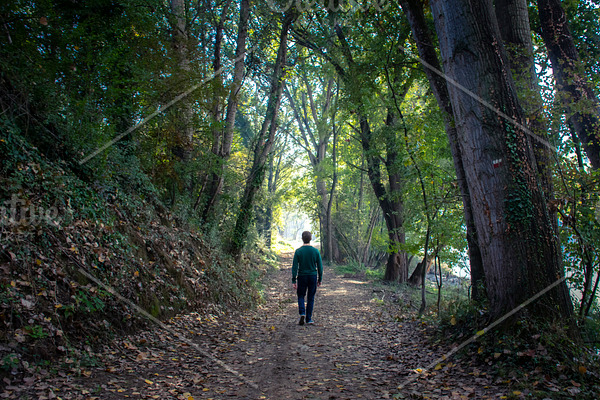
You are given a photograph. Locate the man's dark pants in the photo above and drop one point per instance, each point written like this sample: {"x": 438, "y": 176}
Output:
{"x": 306, "y": 283}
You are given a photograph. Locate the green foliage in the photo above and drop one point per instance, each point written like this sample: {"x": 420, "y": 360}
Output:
{"x": 585, "y": 27}
{"x": 358, "y": 270}
{"x": 518, "y": 205}
{"x": 521, "y": 350}
{"x": 90, "y": 304}
{"x": 591, "y": 330}
{"x": 579, "y": 232}
{"x": 35, "y": 331}
{"x": 10, "y": 362}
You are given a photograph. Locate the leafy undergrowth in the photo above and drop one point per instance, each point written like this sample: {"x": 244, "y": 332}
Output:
{"x": 532, "y": 361}
{"x": 538, "y": 361}
{"x": 70, "y": 246}
{"x": 359, "y": 270}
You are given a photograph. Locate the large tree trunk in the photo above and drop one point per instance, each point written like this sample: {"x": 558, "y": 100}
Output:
{"x": 576, "y": 93}
{"x": 427, "y": 52}
{"x": 224, "y": 140}
{"x": 416, "y": 278}
{"x": 264, "y": 142}
{"x": 519, "y": 247}
{"x": 396, "y": 269}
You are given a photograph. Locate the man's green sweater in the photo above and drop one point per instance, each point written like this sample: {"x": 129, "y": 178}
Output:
{"x": 307, "y": 261}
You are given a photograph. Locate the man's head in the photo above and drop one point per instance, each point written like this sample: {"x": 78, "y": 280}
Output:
{"x": 306, "y": 237}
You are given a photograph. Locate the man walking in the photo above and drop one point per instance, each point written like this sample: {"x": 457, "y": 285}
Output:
{"x": 307, "y": 270}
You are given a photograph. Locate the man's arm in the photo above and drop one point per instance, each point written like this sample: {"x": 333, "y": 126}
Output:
{"x": 319, "y": 266}
{"x": 294, "y": 268}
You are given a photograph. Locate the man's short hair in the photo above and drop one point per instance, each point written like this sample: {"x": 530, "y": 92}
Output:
{"x": 306, "y": 236}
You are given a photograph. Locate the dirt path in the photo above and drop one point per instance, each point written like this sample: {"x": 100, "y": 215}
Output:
{"x": 341, "y": 356}
{"x": 358, "y": 348}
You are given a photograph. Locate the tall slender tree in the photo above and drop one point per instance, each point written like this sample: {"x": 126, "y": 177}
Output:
{"x": 263, "y": 142}
{"x": 433, "y": 70}
{"x": 223, "y": 131}
{"x": 516, "y": 34}
{"x": 390, "y": 196}
{"x": 575, "y": 91}
{"x": 183, "y": 142}
{"x": 313, "y": 115}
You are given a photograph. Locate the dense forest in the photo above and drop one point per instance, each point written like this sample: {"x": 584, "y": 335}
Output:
{"x": 159, "y": 156}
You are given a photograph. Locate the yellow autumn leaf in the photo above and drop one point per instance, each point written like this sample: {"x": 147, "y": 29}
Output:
{"x": 205, "y": 389}
{"x": 438, "y": 367}
{"x": 136, "y": 273}
{"x": 582, "y": 369}
{"x": 480, "y": 350}
{"x": 516, "y": 392}
{"x": 38, "y": 261}
{"x": 481, "y": 332}
{"x": 149, "y": 382}
{"x": 453, "y": 320}
{"x": 496, "y": 355}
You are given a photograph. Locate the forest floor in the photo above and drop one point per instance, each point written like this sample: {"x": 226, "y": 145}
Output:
{"x": 360, "y": 347}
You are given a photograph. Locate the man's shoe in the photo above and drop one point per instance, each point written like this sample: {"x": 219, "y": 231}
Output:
{"x": 301, "y": 322}
{"x": 311, "y": 322}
